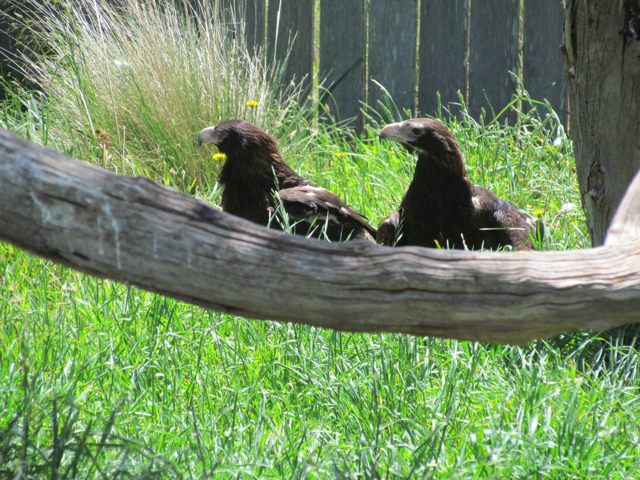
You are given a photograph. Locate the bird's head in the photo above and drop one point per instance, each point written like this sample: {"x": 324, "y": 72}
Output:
{"x": 238, "y": 137}
{"x": 428, "y": 137}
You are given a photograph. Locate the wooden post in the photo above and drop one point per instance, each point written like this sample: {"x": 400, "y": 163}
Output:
{"x": 443, "y": 64}
{"x": 392, "y": 53}
{"x": 342, "y": 58}
{"x": 543, "y": 69}
{"x": 493, "y": 53}
{"x": 290, "y": 31}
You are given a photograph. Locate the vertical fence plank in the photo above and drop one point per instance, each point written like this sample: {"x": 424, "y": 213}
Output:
{"x": 392, "y": 51}
{"x": 229, "y": 14}
{"x": 543, "y": 70}
{"x": 246, "y": 17}
{"x": 12, "y": 44}
{"x": 443, "y": 53}
{"x": 289, "y": 19}
{"x": 342, "y": 57}
{"x": 253, "y": 14}
{"x": 7, "y": 53}
{"x": 240, "y": 17}
{"x": 493, "y": 53}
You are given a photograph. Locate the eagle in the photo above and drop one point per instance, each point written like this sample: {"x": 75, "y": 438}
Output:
{"x": 442, "y": 208}
{"x": 258, "y": 185}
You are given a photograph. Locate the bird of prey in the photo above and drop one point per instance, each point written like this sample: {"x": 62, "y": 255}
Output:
{"x": 441, "y": 207}
{"x": 257, "y": 182}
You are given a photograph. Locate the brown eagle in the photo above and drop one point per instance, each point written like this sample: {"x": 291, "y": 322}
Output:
{"x": 442, "y": 208}
{"x": 257, "y": 182}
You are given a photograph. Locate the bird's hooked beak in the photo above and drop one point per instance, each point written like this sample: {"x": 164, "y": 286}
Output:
{"x": 210, "y": 135}
{"x": 392, "y": 132}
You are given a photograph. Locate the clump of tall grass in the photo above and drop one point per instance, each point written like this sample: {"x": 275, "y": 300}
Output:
{"x": 133, "y": 84}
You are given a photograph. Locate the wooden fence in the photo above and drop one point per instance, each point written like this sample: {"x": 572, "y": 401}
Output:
{"x": 456, "y": 45}
{"x": 441, "y": 46}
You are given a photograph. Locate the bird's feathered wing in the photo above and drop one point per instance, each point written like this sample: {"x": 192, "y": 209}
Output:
{"x": 503, "y": 223}
{"x": 287, "y": 176}
{"x": 313, "y": 209}
{"x": 496, "y": 223}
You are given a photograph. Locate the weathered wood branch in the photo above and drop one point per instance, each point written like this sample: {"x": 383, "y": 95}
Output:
{"x": 136, "y": 231}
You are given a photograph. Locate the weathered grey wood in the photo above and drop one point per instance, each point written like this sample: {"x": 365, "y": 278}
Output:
{"x": 493, "y": 53}
{"x": 443, "y": 53}
{"x": 603, "y": 63}
{"x": 392, "y": 52}
{"x": 136, "y": 231}
{"x": 7, "y": 54}
{"x": 342, "y": 57}
{"x": 245, "y": 17}
{"x": 289, "y": 20}
{"x": 14, "y": 50}
{"x": 543, "y": 66}
{"x": 254, "y": 17}
{"x": 625, "y": 225}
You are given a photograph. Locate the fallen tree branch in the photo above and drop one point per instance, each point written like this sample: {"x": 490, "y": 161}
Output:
{"x": 136, "y": 231}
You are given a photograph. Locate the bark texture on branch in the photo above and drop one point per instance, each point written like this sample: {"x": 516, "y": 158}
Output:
{"x": 602, "y": 56}
{"x": 136, "y": 231}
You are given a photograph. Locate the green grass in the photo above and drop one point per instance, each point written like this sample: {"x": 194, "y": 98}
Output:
{"x": 162, "y": 383}
{"x": 102, "y": 380}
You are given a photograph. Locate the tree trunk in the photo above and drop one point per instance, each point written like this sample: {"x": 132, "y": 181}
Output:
{"x": 602, "y": 56}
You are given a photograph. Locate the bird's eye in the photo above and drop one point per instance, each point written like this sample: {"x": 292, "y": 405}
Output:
{"x": 416, "y": 131}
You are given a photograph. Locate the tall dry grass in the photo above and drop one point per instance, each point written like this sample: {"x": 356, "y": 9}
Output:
{"x": 137, "y": 82}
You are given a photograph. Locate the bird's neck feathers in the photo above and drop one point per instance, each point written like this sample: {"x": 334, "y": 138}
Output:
{"x": 249, "y": 179}
{"x": 250, "y": 166}
{"x": 442, "y": 182}
{"x": 438, "y": 204}
{"x": 248, "y": 182}
{"x": 443, "y": 169}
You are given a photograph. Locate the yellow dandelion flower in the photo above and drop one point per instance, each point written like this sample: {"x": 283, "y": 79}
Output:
{"x": 219, "y": 156}
{"x": 537, "y": 213}
{"x": 252, "y": 103}
{"x": 340, "y": 154}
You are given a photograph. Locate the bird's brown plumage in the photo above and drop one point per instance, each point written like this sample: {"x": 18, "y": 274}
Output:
{"x": 249, "y": 176}
{"x": 441, "y": 206}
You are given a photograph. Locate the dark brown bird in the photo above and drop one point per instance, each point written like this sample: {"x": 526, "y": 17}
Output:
{"x": 442, "y": 207}
{"x": 254, "y": 172}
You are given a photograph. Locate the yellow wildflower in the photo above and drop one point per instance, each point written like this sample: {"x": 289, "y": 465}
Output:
{"x": 252, "y": 103}
{"x": 537, "y": 213}
{"x": 340, "y": 154}
{"x": 219, "y": 156}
